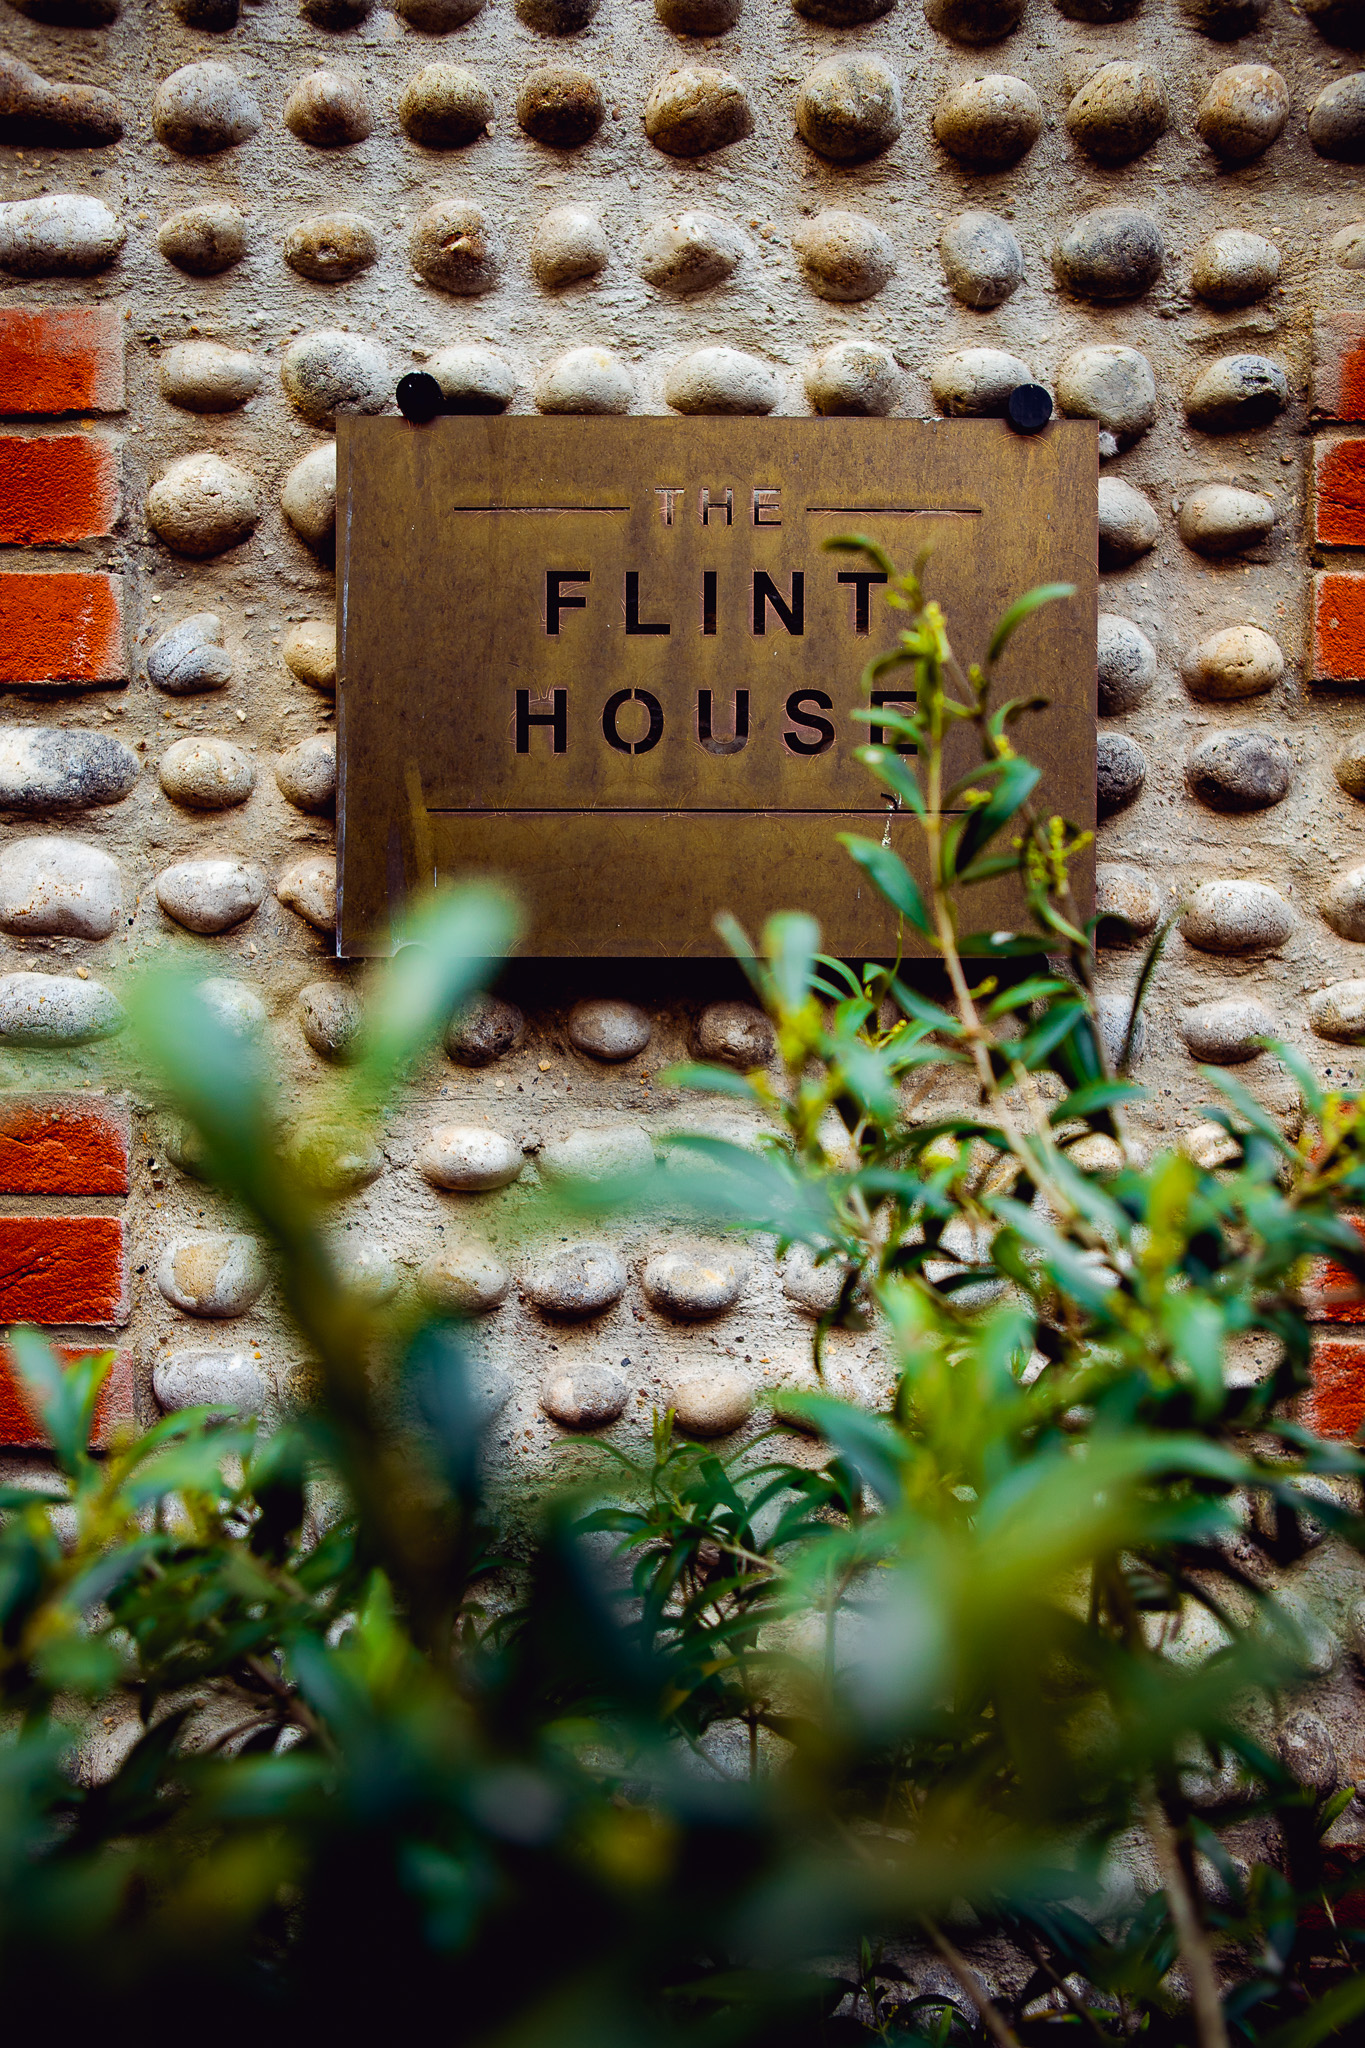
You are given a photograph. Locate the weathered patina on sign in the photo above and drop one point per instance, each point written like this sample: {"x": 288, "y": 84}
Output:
{"x": 612, "y": 661}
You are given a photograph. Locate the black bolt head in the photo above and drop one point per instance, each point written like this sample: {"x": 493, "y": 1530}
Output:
{"x": 420, "y": 397}
{"x": 1028, "y": 411}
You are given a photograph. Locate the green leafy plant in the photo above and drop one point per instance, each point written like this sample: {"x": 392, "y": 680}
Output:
{"x": 954, "y": 1721}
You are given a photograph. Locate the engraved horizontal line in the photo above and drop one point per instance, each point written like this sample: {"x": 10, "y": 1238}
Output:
{"x": 652, "y": 811}
{"x": 902, "y": 511}
{"x": 539, "y": 508}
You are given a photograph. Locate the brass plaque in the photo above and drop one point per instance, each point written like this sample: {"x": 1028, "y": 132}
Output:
{"x": 611, "y": 661}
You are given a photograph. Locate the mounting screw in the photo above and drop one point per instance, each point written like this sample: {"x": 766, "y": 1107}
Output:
{"x": 420, "y": 397}
{"x": 1028, "y": 411}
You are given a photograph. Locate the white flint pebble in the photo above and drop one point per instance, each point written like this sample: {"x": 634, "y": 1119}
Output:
{"x": 594, "y": 1155}
{"x": 203, "y": 108}
{"x": 202, "y": 504}
{"x": 843, "y": 256}
{"x": 576, "y": 1280}
{"x": 331, "y": 1020}
{"x": 1113, "y": 1010}
{"x": 225, "y": 1381}
{"x": 55, "y": 1009}
{"x": 471, "y": 1158}
{"x": 712, "y": 1403}
{"x": 1119, "y": 112}
{"x": 849, "y": 108}
{"x": 327, "y": 248}
{"x": 464, "y": 1279}
{"x": 191, "y": 657}
{"x": 309, "y": 889}
{"x": 810, "y": 1285}
{"x": 1243, "y": 112}
{"x": 309, "y": 496}
{"x": 567, "y": 246}
{"x": 1307, "y": 1751}
{"x": 693, "y": 1285}
{"x": 855, "y": 379}
{"x": 1126, "y": 892}
{"x": 1238, "y": 661}
{"x": 1111, "y": 384}
{"x": 330, "y": 372}
{"x": 205, "y": 376}
{"x": 1240, "y": 771}
{"x": 59, "y": 888}
{"x": 988, "y": 123}
{"x": 1343, "y": 904}
{"x": 1220, "y": 519}
{"x": 690, "y": 252}
{"x": 975, "y": 383}
{"x": 982, "y": 260}
{"x": 1336, "y": 119}
{"x": 54, "y": 768}
{"x": 607, "y": 1029}
{"x": 455, "y": 246}
{"x": 721, "y": 380}
{"x": 472, "y": 380}
{"x": 1236, "y": 392}
{"x": 212, "y": 894}
{"x": 484, "y": 1030}
{"x": 63, "y": 234}
{"x": 1236, "y": 917}
{"x": 212, "y": 1273}
{"x": 1226, "y": 1032}
{"x": 1113, "y": 252}
{"x": 974, "y": 21}
{"x": 445, "y": 106}
{"x": 1120, "y": 772}
{"x": 307, "y": 773}
{"x": 585, "y": 380}
{"x": 204, "y": 240}
{"x": 1209, "y": 1146}
{"x": 1234, "y": 267}
{"x": 367, "y": 1270}
{"x": 1126, "y": 662}
{"x": 1129, "y": 526}
{"x": 696, "y": 108}
{"x": 1349, "y": 765}
{"x": 235, "y": 1005}
{"x": 1347, "y": 246}
{"x": 207, "y": 774}
{"x": 327, "y": 110}
{"x": 310, "y": 653}
{"x": 1338, "y": 1012}
{"x": 738, "y": 1034}
{"x": 584, "y": 1396}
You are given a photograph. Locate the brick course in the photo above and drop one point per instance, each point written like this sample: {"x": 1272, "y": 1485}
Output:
{"x": 60, "y": 359}
{"x": 1338, "y": 630}
{"x": 61, "y": 628}
{"x": 1339, "y": 492}
{"x": 56, "y": 487}
{"x": 1339, "y": 365}
{"x": 116, "y": 1405}
{"x": 62, "y": 1269}
{"x": 63, "y": 1145}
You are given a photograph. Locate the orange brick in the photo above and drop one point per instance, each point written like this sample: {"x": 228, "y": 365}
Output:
{"x": 1339, "y": 492}
{"x": 62, "y": 1269}
{"x": 56, "y": 487}
{"x": 64, "y": 628}
{"x": 55, "y": 360}
{"x": 1335, "y": 1403}
{"x": 1339, "y": 366}
{"x": 63, "y": 1145}
{"x": 1338, "y": 650}
{"x": 117, "y": 1404}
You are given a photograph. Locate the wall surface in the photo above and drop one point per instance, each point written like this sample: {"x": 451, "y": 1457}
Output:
{"x": 161, "y": 381}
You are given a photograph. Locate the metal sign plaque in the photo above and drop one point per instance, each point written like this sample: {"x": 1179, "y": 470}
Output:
{"x": 611, "y": 661}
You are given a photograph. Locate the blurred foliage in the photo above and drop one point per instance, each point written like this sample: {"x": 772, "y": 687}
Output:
{"x": 868, "y": 1733}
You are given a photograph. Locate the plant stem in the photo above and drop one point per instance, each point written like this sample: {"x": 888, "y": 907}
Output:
{"x": 992, "y": 2019}
{"x": 1205, "y": 1996}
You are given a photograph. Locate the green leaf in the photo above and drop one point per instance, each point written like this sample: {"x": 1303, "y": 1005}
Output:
{"x": 791, "y": 945}
{"x": 1035, "y": 990}
{"x": 1022, "y": 608}
{"x": 710, "y": 1080}
{"x": 859, "y": 544}
{"x": 1017, "y": 780}
{"x": 444, "y": 953}
{"x": 1093, "y": 1097}
{"x": 890, "y": 768}
{"x": 1334, "y": 2011}
{"x": 64, "y": 1396}
{"x": 888, "y": 872}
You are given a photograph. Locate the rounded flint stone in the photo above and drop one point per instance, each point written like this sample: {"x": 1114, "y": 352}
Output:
{"x": 63, "y": 234}
{"x": 437, "y": 17}
{"x": 1235, "y": 393}
{"x": 328, "y": 110}
{"x": 974, "y": 21}
{"x": 1123, "y": 891}
{"x": 484, "y": 1030}
{"x": 738, "y": 1034}
{"x": 1336, "y": 121}
{"x": 49, "y": 114}
{"x": 237, "y": 1008}
{"x": 607, "y": 1029}
{"x": 1112, "y": 253}
{"x": 691, "y": 252}
{"x": 308, "y": 496}
{"x": 308, "y": 887}
{"x": 1243, "y": 112}
{"x": 1238, "y": 661}
{"x": 203, "y": 240}
{"x": 560, "y": 106}
{"x": 1240, "y": 771}
{"x": 692, "y": 1286}
{"x": 52, "y": 768}
{"x": 721, "y": 380}
{"x": 472, "y": 380}
{"x": 695, "y": 109}
{"x": 335, "y": 15}
{"x": 454, "y": 246}
{"x": 1236, "y": 916}
{"x": 1126, "y": 664}
{"x": 330, "y": 372}
{"x": 1111, "y": 384}
{"x": 469, "y": 1158}
{"x": 464, "y": 1279}
{"x": 1349, "y": 766}
{"x": 1129, "y": 526}
{"x": 849, "y": 108}
{"x": 327, "y": 248}
{"x": 1343, "y": 905}
{"x": 843, "y": 256}
{"x": 841, "y": 13}
{"x": 1118, "y": 113}
{"x": 205, "y": 376}
{"x": 1223, "y": 21}
{"x": 446, "y": 106}
{"x": 213, "y": 894}
{"x": 584, "y": 1396}
{"x": 556, "y": 17}
{"x": 207, "y": 774}
{"x": 307, "y": 773}
{"x": 1099, "y": 13}
{"x": 191, "y": 657}
{"x": 982, "y": 260}
{"x": 1234, "y": 267}
{"x": 584, "y": 380}
{"x": 567, "y": 246}
{"x": 203, "y": 108}
{"x": 976, "y": 383}
{"x": 989, "y": 123}
{"x": 225, "y": 1381}
{"x": 1225, "y": 1033}
{"x": 1336, "y": 21}
{"x": 202, "y": 505}
{"x": 331, "y": 1020}
{"x": 853, "y": 379}
{"x": 57, "y": 887}
{"x": 69, "y": 13}
{"x": 1338, "y": 1012}
{"x": 620, "y": 1150}
{"x": 212, "y": 1273}
{"x": 1120, "y": 771}
{"x": 712, "y": 1403}
{"x": 1220, "y": 519}
{"x": 55, "y": 1009}
{"x": 701, "y": 17}
{"x": 576, "y": 1281}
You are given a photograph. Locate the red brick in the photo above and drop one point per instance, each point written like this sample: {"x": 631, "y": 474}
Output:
{"x": 1335, "y": 1403}
{"x": 62, "y": 1269}
{"x": 55, "y": 360}
{"x": 1338, "y": 651}
{"x": 1339, "y": 492}
{"x": 1330, "y": 1294}
{"x": 1339, "y": 366}
{"x": 56, "y": 487}
{"x": 63, "y": 1145}
{"x": 63, "y": 628}
{"x": 116, "y": 1406}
